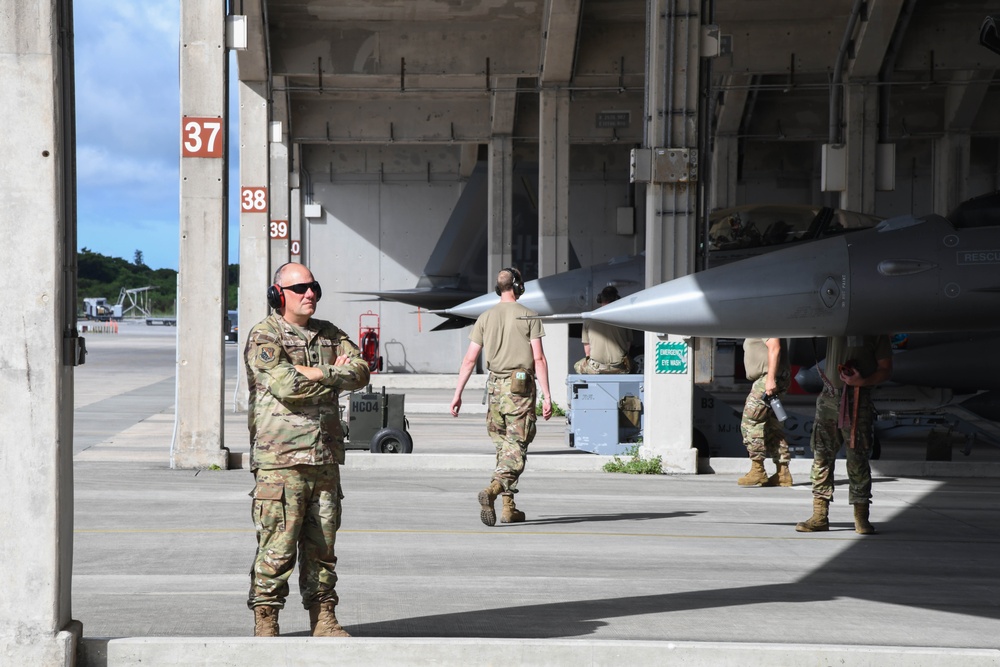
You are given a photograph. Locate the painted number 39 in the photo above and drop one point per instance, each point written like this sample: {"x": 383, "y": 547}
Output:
{"x": 202, "y": 137}
{"x": 279, "y": 229}
{"x": 253, "y": 200}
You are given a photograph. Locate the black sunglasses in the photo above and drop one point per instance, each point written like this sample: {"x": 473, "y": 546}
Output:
{"x": 300, "y": 288}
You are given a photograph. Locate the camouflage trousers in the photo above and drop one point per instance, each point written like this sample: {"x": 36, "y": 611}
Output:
{"x": 510, "y": 421}
{"x": 828, "y": 438}
{"x": 761, "y": 430}
{"x": 588, "y": 366}
{"x": 295, "y": 511}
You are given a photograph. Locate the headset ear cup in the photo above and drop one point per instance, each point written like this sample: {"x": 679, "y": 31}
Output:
{"x": 518, "y": 283}
{"x": 275, "y": 297}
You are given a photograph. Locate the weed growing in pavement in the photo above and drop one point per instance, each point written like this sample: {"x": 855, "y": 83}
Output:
{"x": 636, "y": 465}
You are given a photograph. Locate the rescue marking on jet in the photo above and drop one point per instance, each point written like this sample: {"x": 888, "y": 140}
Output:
{"x": 979, "y": 257}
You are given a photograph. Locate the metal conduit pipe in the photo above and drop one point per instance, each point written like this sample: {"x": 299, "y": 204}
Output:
{"x": 691, "y": 123}
{"x": 836, "y": 110}
{"x": 705, "y": 139}
{"x": 645, "y": 89}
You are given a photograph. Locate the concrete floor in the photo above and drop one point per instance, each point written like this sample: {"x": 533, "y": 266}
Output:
{"x": 609, "y": 569}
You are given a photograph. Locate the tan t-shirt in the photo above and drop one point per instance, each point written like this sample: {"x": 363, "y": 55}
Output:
{"x": 867, "y": 353}
{"x": 506, "y": 340}
{"x": 608, "y": 343}
{"x": 755, "y": 359}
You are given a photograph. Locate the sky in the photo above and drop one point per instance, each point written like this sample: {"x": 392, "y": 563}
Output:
{"x": 128, "y": 131}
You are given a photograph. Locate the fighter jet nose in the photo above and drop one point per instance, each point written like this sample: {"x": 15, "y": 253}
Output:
{"x": 474, "y": 307}
{"x": 760, "y": 296}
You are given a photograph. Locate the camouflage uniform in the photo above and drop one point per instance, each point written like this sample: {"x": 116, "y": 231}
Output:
{"x": 296, "y": 448}
{"x": 510, "y": 422}
{"x": 830, "y": 433}
{"x": 828, "y": 438}
{"x": 761, "y": 430}
{"x": 609, "y": 346}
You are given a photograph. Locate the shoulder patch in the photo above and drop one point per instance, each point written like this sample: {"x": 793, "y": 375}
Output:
{"x": 267, "y": 355}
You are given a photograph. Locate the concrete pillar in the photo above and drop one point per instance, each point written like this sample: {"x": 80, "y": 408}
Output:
{"x": 553, "y": 221}
{"x": 295, "y": 213}
{"x": 278, "y": 195}
{"x": 500, "y": 196}
{"x": 963, "y": 100}
{"x": 725, "y": 155}
{"x": 725, "y": 163}
{"x": 255, "y": 268}
{"x": 37, "y": 261}
{"x": 860, "y": 139}
{"x": 951, "y": 171}
{"x": 672, "y": 38}
{"x": 295, "y": 224}
{"x": 201, "y": 280}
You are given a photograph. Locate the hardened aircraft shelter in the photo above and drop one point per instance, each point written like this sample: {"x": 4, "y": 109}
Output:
{"x": 593, "y": 129}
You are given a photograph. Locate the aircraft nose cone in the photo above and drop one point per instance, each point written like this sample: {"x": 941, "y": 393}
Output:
{"x": 473, "y": 308}
{"x": 797, "y": 294}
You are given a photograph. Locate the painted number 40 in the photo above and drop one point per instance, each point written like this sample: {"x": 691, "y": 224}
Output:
{"x": 202, "y": 137}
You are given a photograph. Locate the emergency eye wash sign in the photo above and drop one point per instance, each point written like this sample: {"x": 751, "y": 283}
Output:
{"x": 671, "y": 357}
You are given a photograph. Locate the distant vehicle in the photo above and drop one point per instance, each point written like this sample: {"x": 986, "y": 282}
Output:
{"x": 98, "y": 308}
{"x": 231, "y": 327}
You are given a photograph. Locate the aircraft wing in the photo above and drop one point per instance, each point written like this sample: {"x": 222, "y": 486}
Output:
{"x": 431, "y": 298}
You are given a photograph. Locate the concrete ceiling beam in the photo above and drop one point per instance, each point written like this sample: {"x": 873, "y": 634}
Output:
{"x": 560, "y": 29}
{"x": 873, "y": 37}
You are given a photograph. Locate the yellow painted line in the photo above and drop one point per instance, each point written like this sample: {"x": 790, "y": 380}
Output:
{"x": 536, "y": 533}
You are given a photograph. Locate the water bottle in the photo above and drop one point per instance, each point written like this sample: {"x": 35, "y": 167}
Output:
{"x": 775, "y": 404}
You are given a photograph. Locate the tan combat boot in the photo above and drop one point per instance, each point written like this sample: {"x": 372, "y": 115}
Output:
{"x": 486, "y": 498}
{"x": 510, "y": 513}
{"x": 756, "y": 477}
{"x": 323, "y": 622}
{"x": 861, "y": 524}
{"x": 265, "y": 621}
{"x": 819, "y": 521}
{"x": 784, "y": 474}
{"x": 781, "y": 478}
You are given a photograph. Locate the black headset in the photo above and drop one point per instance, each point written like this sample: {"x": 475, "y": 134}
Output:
{"x": 518, "y": 284}
{"x": 276, "y": 293}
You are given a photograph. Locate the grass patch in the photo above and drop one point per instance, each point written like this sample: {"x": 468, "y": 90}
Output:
{"x": 636, "y": 465}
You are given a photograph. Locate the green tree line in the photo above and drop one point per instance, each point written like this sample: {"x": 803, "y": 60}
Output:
{"x": 102, "y": 276}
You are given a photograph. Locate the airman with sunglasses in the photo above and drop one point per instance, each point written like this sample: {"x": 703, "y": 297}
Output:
{"x": 296, "y": 367}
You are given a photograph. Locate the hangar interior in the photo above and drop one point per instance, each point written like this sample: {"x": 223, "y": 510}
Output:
{"x": 429, "y": 143}
{"x": 387, "y": 108}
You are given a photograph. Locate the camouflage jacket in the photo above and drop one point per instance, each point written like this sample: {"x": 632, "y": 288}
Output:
{"x": 294, "y": 420}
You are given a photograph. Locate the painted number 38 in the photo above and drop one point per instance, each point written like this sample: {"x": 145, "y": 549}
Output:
{"x": 253, "y": 200}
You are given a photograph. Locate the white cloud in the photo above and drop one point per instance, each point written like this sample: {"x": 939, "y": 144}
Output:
{"x": 128, "y": 120}
{"x": 99, "y": 167}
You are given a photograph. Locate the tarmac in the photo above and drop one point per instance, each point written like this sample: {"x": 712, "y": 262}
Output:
{"x": 609, "y": 569}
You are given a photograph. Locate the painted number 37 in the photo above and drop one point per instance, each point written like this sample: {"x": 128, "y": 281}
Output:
{"x": 202, "y": 137}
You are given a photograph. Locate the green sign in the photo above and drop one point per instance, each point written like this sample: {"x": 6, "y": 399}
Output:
{"x": 671, "y": 357}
